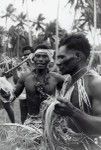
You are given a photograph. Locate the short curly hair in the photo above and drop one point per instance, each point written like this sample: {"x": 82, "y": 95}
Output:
{"x": 76, "y": 42}
{"x": 27, "y": 48}
{"x": 41, "y": 46}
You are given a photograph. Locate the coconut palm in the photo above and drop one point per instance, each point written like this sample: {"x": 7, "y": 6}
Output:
{"x": 9, "y": 13}
{"x": 87, "y": 14}
{"x": 2, "y": 33}
{"x": 17, "y": 34}
{"x": 20, "y": 29}
{"x": 50, "y": 33}
{"x": 39, "y": 24}
{"x": 21, "y": 20}
{"x": 17, "y": 40}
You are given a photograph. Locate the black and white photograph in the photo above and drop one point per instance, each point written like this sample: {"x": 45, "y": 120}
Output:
{"x": 50, "y": 74}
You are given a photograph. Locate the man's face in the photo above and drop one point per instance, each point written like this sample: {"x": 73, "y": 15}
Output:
{"x": 67, "y": 60}
{"x": 41, "y": 60}
{"x": 26, "y": 53}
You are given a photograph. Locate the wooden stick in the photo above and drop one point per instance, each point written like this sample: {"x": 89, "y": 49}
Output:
{"x": 17, "y": 66}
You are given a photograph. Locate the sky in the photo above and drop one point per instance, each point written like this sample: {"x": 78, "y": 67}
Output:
{"x": 47, "y": 7}
{"x": 49, "y": 10}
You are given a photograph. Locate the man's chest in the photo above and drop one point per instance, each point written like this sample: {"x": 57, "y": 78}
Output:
{"x": 33, "y": 84}
{"x": 81, "y": 99}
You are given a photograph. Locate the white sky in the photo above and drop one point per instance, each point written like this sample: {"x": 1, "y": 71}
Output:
{"x": 47, "y": 7}
{"x": 49, "y": 10}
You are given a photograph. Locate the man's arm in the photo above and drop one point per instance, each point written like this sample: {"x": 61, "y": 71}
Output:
{"x": 87, "y": 123}
{"x": 60, "y": 79}
{"x": 94, "y": 88}
{"x": 19, "y": 87}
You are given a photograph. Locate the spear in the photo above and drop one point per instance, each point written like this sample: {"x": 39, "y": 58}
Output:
{"x": 29, "y": 28}
{"x": 95, "y": 28}
{"x": 57, "y": 29}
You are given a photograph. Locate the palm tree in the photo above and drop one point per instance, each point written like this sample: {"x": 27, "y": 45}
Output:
{"x": 50, "y": 33}
{"x": 17, "y": 34}
{"x": 21, "y": 20}
{"x": 29, "y": 28}
{"x": 38, "y": 24}
{"x": 17, "y": 40}
{"x": 2, "y": 34}
{"x": 20, "y": 28}
{"x": 8, "y": 15}
{"x": 87, "y": 14}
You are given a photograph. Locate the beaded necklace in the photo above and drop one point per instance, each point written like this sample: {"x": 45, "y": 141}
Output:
{"x": 40, "y": 84}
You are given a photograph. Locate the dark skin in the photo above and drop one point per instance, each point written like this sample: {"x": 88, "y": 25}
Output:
{"x": 26, "y": 53}
{"x": 23, "y": 107}
{"x": 30, "y": 81}
{"x": 89, "y": 124}
{"x": 8, "y": 109}
{"x": 10, "y": 112}
{"x": 70, "y": 61}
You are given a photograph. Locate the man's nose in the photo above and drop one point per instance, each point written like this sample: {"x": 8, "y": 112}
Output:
{"x": 40, "y": 58}
{"x": 58, "y": 63}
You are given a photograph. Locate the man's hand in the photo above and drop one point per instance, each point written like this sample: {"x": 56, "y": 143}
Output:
{"x": 64, "y": 108}
{"x": 12, "y": 98}
{"x": 31, "y": 56}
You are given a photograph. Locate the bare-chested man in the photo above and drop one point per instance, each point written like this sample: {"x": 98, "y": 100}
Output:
{"x": 85, "y": 96}
{"x": 39, "y": 82}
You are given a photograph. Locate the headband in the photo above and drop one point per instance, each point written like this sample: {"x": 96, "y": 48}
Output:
{"x": 46, "y": 51}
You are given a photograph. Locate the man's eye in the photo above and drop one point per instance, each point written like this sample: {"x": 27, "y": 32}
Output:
{"x": 61, "y": 57}
{"x": 44, "y": 56}
{"x": 37, "y": 56}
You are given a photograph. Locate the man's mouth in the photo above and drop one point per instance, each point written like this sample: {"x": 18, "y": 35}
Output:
{"x": 40, "y": 64}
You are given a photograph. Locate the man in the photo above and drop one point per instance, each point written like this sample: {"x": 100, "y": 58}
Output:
{"x": 39, "y": 83}
{"x": 24, "y": 68}
{"x": 26, "y": 51}
{"x": 72, "y": 58}
{"x": 5, "y": 93}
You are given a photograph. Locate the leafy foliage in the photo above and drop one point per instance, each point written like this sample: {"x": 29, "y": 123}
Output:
{"x": 86, "y": 19}
{"x": 2, "y": 32}
{"x": 21, "y": 19}
{"x": 38, "y": 24}
{"x": 9, "y": 12}
{"x": 13, "y": 136}
{"x": 15, "y": 35}
{"x": 50, "y": 32}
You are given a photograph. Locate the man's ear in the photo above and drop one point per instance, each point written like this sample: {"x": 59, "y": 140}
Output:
{"x": 79, "y": 56}
{"x": 32, "y": 56}
{"x": 48, "y": 60}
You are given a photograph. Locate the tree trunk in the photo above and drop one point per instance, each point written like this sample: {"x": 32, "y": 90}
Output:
{"x": 18, "y": 45}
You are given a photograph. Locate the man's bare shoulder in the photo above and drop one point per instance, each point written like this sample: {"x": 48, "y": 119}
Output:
{"x": 93, "y": 83}
{"x": 93, "y": 77}
{"x": 58, "y": 77}
{"x": 94, "y": 80}
{"x": 25, "y": 75}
